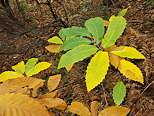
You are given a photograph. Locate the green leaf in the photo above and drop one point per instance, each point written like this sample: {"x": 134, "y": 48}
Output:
{"x": 20, "y": 67}
{"x": 77, "y": 54}
{"x": 129, "y": 52}
{"x": 37, "y": 68}
{"x": 96, "y": 27}
{"x": 62, "y": 34}
{"x": 123, "y": 12}
{"x": 97, "y": 69}
{"x": 73, "y": 31}
{"x": 74, "y": 42}
{"x": 119, "y": 92}
{"x": 30, "y": 63}
{"x": 115, "y": 29}
{"x": 55, "y": 40}
{"x": 9, "y": 75}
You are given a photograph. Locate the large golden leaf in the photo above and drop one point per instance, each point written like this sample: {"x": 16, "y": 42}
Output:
{"x": 130, "y": 71}
{"x": 21, "y": 85}
{"x": 79, "y": 108}
{"x": 9, "y": 75}
{"x": 114, "y": 111}
{"x": 97, "y": 69}
{"x": 20, "y": 105}
{"x": 129, "y": 52}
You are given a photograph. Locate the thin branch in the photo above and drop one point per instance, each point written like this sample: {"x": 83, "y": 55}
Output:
{"x": 79, "y": 80}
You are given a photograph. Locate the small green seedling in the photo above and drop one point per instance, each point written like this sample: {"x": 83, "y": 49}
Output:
{"x": 82, "y": 42}
{"x": 28, "y": 69}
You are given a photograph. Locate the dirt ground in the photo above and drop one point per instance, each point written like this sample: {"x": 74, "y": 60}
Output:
{"x": 15, "y": 47}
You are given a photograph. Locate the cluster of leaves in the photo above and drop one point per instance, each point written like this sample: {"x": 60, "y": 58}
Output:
{"x": 28, "y": 69}
{"x": 119, "y": 92}
{"x": 82, "y": 42}
{"x": 19, "y": 94}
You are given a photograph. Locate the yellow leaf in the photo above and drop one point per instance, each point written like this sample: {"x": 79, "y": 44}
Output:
{"x": 94, "y": 108}
{"x": 68, "y": 68}
{"x": 113, "y": 16}
{"x": 9, "y": 75}
{"x": 55, "y": 40}
{"x": 49, "y": 95}
{"x": 114, "y": 111}
{"x": 79, "y": 108}
{"x": 21, "y": 85}
{"x": 129, "y": 52}
{"x": 53, "y": 48}
{"x": 56, "y": 103}
{"x": 97, "y": 69}
{"x": 131, "y": 71}
{"x": 53, "y": 81}
{"x": 20, "y": 67}
{"x": 21, "y": 105}
{"x": 106, "y": 23}
{"x": 37, "y": 68}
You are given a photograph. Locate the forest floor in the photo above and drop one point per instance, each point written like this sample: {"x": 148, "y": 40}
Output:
{"x": 138, "y": 34}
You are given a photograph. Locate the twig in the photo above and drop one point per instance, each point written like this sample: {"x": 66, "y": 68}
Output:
{"x": 79, "y": 80}
{"x": 64, "y": 11}
{"x": 54, "y": 15}
{"x": 147, "y": 87}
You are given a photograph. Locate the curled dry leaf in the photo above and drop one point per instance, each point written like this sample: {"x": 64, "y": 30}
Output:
{"x": 56, "y": 103}
{"x": 114, "y": 60}
{"x": 24, "y": 90}
{"x": 53, "y": 81}
{"x": 21, "y": 84}
{"x": 53, "y": 48}
{"x": 12, "y": 104}
{"x": 49, "y": 95}
{"x": 94, "y": 108}
{"x": 109, "y": 49}
{"x": 114, "y": 111}
{"x": 79, "y": 108}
